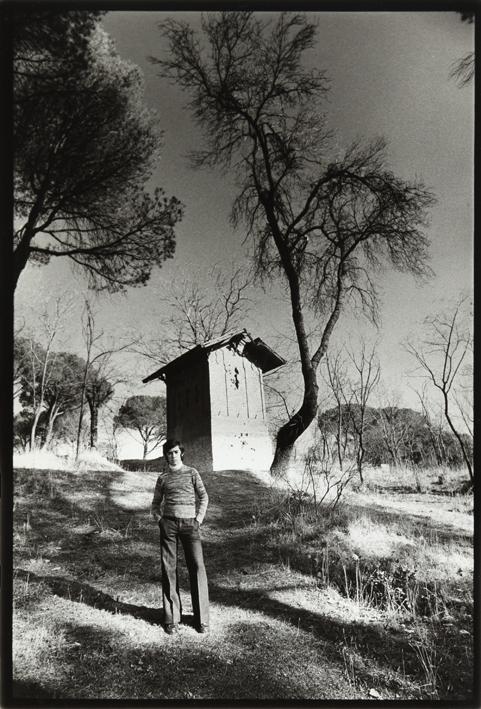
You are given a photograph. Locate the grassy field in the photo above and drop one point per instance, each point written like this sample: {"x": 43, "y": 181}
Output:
{"x": 371, "y": 600}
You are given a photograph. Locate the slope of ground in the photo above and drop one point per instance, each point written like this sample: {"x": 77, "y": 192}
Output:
{"x": 87, "y": 604}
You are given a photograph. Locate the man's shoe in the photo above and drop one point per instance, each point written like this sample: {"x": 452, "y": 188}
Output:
{"x": 171, "y": 629}
{"x": 204, "y": 629}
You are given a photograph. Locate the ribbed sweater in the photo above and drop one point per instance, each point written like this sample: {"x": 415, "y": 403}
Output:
{"x": 177, "y": 491}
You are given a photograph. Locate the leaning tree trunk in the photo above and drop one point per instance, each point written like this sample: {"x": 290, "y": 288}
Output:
{"x": 53, "y": 415}
{"x": 23, "y": 248}
{"x": 302, "y": 419}
{"x": 295, "y": 427}
{"x": 33, "y": 430}
{"x": 22, "y": 253}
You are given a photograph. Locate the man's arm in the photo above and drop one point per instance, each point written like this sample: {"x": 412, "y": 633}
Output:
{"x": 157, "y": 499}
{"x": 202, "y": 497}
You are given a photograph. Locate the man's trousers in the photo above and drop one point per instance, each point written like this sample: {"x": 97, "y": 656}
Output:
{"x": 187, "y": 530}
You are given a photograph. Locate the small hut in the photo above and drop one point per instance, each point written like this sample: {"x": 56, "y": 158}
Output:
{"x": 215, "y": 402}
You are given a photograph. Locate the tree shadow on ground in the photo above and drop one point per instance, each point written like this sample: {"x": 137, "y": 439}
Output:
{"x": 75, "y": 519}
{"x": 233, "y": 496}
{"x": 84, "y": 593}
{"x": 384, "y": 651}
{"x": 175, "y": 669}
{"x": 230, "y": 542}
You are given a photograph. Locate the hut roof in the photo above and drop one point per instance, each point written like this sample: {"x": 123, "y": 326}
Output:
{"x": 255, "y": 350}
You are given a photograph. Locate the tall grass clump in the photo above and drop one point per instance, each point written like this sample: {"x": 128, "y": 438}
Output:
{"x": 391, "y": 563}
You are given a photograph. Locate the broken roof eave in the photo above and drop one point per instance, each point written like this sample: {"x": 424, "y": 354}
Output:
{"x": 263, "y": 356}
{"x": 255, "y": 350}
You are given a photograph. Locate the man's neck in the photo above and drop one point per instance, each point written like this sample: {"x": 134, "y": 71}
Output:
{"x": 176, "y": 468}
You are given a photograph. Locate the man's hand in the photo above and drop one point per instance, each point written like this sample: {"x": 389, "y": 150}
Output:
{"x": 156, "y": 516}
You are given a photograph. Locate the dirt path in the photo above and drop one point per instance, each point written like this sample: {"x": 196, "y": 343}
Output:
{"x": 87, "y": 603}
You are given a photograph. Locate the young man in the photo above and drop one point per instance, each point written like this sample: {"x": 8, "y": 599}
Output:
{"x": 177, "y": 490}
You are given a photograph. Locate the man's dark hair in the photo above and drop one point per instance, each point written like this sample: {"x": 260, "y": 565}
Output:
{"x": 171, "y": 443}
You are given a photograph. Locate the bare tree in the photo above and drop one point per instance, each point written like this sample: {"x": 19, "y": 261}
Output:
{"x": 63, "y": 390}
{"x": 98, "y": 353}
{"x": 393, "y": 425}
{"x": 350, "y": 379}
{"x": 367, "y": 374}
{"x": 335, "y": 377}
{"x": 199, "y": 310}
{"x": 35, "y": 359}
{"x": 324, "y": 222}
{"x": 441, "y": 353}
{"x": 434, "y": 429}
{"x": 99, "y": 390}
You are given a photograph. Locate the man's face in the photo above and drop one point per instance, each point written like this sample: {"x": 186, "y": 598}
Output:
{"x": 174, "y": 456}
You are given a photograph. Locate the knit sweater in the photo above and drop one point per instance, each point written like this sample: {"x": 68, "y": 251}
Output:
{"x": 176, "y": 491}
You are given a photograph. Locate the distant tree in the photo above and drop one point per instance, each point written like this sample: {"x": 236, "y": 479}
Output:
{"x": 84, "y": 148}
{"x": 335, "y": 377}
{"x": 98, "y": 355}
{"x": 322, "y": 221}
{"x": 54, "y": 391}
{"x": 31, "y": 380}
{"x": 350, "y": 378}
{"x": 66, "y": 430}
{"x": 400, "y": 429}
{"x": 22, "y": 426}
{"x": 34, "y": 356}
{"x": 434, "y": 424}
{"x": 390, "y": 435}
{"x": 441, "y": 353}
{"x": 147, "y": 415}
{"x": 365, "y": 379}
{"x": 63, "y": 390}
{"x": 98, "y": 392}
{"x": 21, "y": 349}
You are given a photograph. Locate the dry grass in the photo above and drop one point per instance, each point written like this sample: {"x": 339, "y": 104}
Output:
{"x": 47, "y": 460}
{"x": 300, "y": 606}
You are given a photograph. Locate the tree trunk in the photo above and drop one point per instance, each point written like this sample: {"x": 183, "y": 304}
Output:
{"x": 435, "y": 446}
{"x": 94, "y": 425}
{"x": 53, "y": 415}
{"x": 459, "y": 439}
{"x": 79, "y": 428}
{"x": 82, "y": 406}
{"x": 290, "y": 431}
{"x": 146, "y": 449}
{"x": 340, "y": 452}
{"x": 295, "y": 427}
{"x": 20, "y": 257}
{"x": 360, "y": 460}
{"x": 33, "y": 430}
{"x": 360, "y": 449}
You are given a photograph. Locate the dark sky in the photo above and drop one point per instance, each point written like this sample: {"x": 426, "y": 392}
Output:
{"x": 390, "y": 76}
